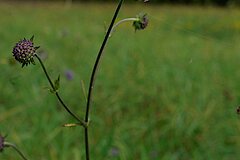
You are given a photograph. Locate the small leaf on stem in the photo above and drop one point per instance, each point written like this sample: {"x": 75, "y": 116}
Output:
{"x": 57, "y": 83}
{"x": 31, "y": 39}
{"x": 72, "y": 125}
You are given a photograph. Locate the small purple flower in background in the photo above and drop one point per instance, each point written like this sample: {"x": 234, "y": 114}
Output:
{"x": 114, "y": 152}
{"x": 69, "y": 75}
{"x": 1, "y": 143}
{"x": 24, "y": 51}
{"x": 141, "y": 22}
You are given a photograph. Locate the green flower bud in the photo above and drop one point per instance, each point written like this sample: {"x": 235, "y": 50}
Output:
{"x": 141, "y": 22}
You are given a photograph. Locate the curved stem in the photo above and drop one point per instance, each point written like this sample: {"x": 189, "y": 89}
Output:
{"x": 91, "y": 85}
{"x": 94, "y": 74}
{"x": 120, "y": 22}
{"x": 7, "y": 144}
{"x": 58, "y": 96}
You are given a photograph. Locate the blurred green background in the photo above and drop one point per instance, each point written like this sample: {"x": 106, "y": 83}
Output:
{"x": 169, "y": 92}
{"x": 185, "y": 2}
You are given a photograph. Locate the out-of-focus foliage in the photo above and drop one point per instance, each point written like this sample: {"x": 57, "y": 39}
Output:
{"x": 187, "y": 2}
{"x": 169, "y": 92}
{"x": 202, "y": 2}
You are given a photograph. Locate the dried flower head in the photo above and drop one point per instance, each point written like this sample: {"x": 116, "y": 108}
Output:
{"x": 1, "y": 143}
{"x": 141, "y": 22}
{"x": 24, "y": 51}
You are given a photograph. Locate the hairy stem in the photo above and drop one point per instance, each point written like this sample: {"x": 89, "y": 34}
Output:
{"x": 7, "y": 144}
{"x": 83, "y": 123}
{"x": 91, "y": 85}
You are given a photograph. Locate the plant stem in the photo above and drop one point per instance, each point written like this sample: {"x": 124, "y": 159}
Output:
{"x": 83, "y": 123}
{"x": 120, "y": 22}
{"x": 7, "y": 144}
{"x": 91, "y": 85}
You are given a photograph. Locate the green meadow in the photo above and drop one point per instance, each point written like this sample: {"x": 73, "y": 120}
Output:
{"x": 169, "y": 92}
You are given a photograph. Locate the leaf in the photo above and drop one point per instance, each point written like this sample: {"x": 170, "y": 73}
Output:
{"x": 51, "y": 90}
{"x": 57, "y": 83}
{"x": 72, "y": 125}
{"x": 36, "y": 47}
{"x": 31, "y": 39}
{"x": 84, "y": 90}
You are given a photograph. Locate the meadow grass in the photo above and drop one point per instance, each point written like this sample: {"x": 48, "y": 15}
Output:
{"x": 169, "y": 92}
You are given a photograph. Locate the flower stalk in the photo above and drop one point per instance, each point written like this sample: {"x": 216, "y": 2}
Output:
{"x": 120, "y": 22}
{"x": 83, "y": 123}
{"x": 139, "y": 23}
{"x": 4, "y": 144}
{"x": 8, "y": 144}
{"x": 94, "y": 70}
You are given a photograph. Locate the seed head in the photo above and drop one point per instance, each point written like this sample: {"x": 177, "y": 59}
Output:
{"x": 24, "y": 51}
{"x": 141, "y": 22}
{"x": 1, "y": 143}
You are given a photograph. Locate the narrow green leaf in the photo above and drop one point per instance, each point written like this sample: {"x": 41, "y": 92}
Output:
{"x": 36, "y": 47}
{"x": 57, "y": 83}
{"x": 31, "y": 39}
{"x": 72, "y": 125}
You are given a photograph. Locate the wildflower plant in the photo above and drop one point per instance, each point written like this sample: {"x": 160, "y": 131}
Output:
{"x": 25, "y": 52}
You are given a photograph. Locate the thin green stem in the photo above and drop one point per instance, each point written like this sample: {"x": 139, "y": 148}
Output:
{"x": 7, "y": 144}
{"x": 83, "y": 123}
{"x": 91, "y": 85}
{"x": 120, "y": 22}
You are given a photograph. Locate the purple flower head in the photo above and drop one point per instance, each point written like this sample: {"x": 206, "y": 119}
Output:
{"x": 1, "y": 143}
{"x": 24, "y": 51}
{"x": 141, "y": 22}
{"x": 69, "y": 74}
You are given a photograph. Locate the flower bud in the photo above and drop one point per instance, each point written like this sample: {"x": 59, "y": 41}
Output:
{"x": 141, "y": 22}
{"x": 24, "y": 51}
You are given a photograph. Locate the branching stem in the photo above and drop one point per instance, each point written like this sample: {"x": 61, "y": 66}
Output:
{"x": 83, "y": 123}
{"x": 7, "y": 144}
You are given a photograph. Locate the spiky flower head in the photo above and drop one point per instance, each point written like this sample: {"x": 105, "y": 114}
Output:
{"x": 1, "y": 143}
{"x": 24, "y": 51}
{"x": 141, "y": 22}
